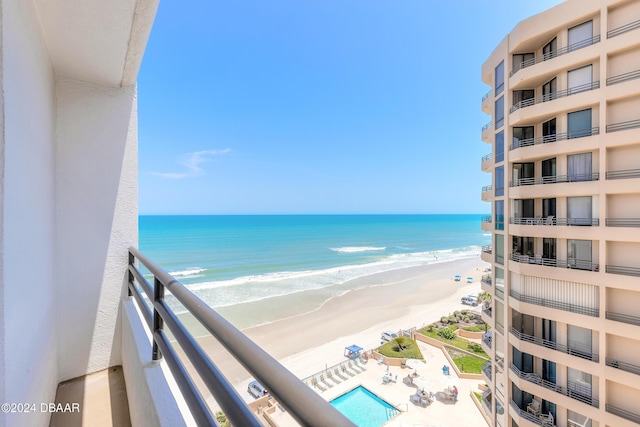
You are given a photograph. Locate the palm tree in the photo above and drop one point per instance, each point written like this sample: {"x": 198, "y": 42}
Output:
{"x": 399, "y": 342}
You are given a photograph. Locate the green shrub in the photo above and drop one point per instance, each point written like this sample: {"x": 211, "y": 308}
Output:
{"x": 446, "y": 333}
{"x": 410, "y": 351}
{"x": 453, "y": 319}
{"x": 456, "y": 313}
{"x": 476, "y": 348}
{"x": 465, "y": 312}
{"x": 444, "y": 319}
{"x": 222, "y": 419}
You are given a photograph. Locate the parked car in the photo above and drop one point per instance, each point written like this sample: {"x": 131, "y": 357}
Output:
{"x": 256, "y": 390}
{"x": 388, "y": 336}
{"x": 470, "y": 300}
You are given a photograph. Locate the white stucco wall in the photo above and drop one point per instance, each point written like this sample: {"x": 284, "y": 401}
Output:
{"x": 96, "y": 219}
{"x": 29, "y": 330}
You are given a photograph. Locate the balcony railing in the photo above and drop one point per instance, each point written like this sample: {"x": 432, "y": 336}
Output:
{"x": 486, "y": 279}
{"x": 556, "y": 179}
{"x": 631, "y": 416}
{"x": 553, "y": 54}
{"x": 486, "y": 368}
{"x": 555, "y": 95}
{"x": 487, "y": 126}
{"x": 486, "y": 338}
{"x": 623, "y": 174}
{"x": 550, "y": 220}
{"x": 558, "y": 305}
{"x": 623, "y": 29}
{"x": 487, "y": 249}
{"x": 486, "y": 219}
{"x": 577, "y": 264}
{"x": 574, "y": 350}
{"x": 628, "y": 367}
{"x": 487, "y": 95}
{"x": 624, "y": 318}
{"x": 486, "y": 402}
{"x": 487, "y": 311}
{"x": 622, "y": 222}
{"x": 631, "y": 124}
{"x": 531, "y": 417}
{"x": 625, "y": 271}
{"x": 574, "y": 391}
{"x": 487, "y": 157}
{"x": 487, "y": 188}
{"x": 546, "y": 139}
{"x": 623, "y": 77}
{"x": 304, "y": 404}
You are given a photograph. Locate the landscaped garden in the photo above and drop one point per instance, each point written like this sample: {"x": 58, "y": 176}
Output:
{"x": 466, "y": 363}
{"x": 401, "y": 347}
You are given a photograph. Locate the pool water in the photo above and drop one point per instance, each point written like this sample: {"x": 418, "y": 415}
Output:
{"x": 364, "y": 408}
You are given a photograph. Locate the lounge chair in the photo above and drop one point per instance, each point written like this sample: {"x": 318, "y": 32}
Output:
{"x": 360, "y": 364}
{"x": 381, "y": 360}
{"x": 325, "y": 382}
{"x": 337, "y": 373}
{"x": 354, "y": 368}
{"x": 316, "y": 384}
{"x": 332, "y": 378}
{"x": 346, "y": 370}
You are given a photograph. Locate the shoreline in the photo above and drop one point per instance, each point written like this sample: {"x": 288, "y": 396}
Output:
{"x": 390, "y": 300}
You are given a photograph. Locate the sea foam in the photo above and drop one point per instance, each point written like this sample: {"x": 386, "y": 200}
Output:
{"x": 353, "y": 249}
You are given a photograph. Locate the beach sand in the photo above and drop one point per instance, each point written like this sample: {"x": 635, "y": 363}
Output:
{"x": 393, "y": 300}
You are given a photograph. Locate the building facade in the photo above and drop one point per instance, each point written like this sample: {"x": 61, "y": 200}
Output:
{"x": 565, "y": 223}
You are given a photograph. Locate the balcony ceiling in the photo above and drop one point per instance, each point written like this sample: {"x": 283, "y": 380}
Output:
{"x": 100, "y": 41}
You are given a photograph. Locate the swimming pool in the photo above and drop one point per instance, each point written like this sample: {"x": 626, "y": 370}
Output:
{"x": 364, "y": 408}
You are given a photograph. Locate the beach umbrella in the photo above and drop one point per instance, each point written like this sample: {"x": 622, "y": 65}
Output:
{"x": 469, "y": 279}
{"x": 416, "y": 364}
{"x": 458, "y": 278}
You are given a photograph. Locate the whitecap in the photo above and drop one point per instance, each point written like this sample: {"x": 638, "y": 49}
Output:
{"x": 191, "y": 271}
{"x": 352, "y": 249}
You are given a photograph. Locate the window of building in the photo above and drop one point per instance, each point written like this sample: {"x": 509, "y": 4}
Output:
{"x": 580, "y": 79}
{"x": 522, "y": 136}
{"x": 579, "y": 383}
{"x": 499, "y": 78}
{"x": 523, "y": 208}
{"x": 522, "y": 245}
{"x": 579, "y": 340}
{"x": 499, "y": 244}
{"x": 549, "y": 248}
{"x": 548, "y": 207}
{"x": 522, "y": 60}
{"x": 499, "y": 146}
{"x": 579, "y": 123}
{"x": 579, "y": 167}
{"x": 499, "y": 214}
{"x": 499, "y": 314}
{"x": 523, "y": 98}
{"x": 580, "y": 35}
{"x": 549, "y": 131}
{"x": 499, "y": 184}
{"x": 579, "y": 254}
{"x": 499, "y": 112}
{"x": 523, "y": 174}
{"x": 549, "y": 170}
{"x": 577, "y": 419}
{"x": 550, "y": 50}
{"x": 499, "y": 281}
{"x": 549, "y": 90}
{"x": 579, "y": 210}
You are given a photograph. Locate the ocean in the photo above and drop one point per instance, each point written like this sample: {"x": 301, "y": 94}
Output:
{"x": 239, "y": 261}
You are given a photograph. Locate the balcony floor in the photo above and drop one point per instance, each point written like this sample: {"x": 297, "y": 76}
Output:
{"x": 102, "y": 397}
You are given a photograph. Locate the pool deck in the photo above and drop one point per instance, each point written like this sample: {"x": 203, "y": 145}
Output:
{"x": 440, "y": 413}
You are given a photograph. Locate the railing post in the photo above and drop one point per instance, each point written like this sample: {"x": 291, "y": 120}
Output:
{"x": 158, "y": 295}
{"x": 132, "y": 261}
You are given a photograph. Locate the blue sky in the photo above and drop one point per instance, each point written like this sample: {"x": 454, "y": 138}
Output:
{"x": 332, "y": 106}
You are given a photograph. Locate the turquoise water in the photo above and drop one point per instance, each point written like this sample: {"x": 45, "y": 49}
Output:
{"x": 230, "y": 260}
{"x": 364, "y": 408}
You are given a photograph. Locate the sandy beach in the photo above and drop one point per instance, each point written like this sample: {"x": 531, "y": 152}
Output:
{"x": 390, "y": 300}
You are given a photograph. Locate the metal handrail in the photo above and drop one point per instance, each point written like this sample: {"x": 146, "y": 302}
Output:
{"x": 488, "y": 312}
{"x": 486, "y": 219}
{"x": 555, "y": 221}
{"x": 614, "y": 363}
{"x": 623, "y": 77}
{"x": 486, "y": 95}
{"x": 624, "y": 318}
{"x": 487, "y": 188}
{"x": 303, "y": 403}
{"x": 530, "y": 417}
{"x": 486, "y": 279}
{"x": 623, "y": 29}
{"x": 630, "y": 124}
{"x": 487, "y": 157}
{"x": 487, "y": 249}
{"x": 555, "y": 53}
{"x": 573, "y": 350}
{"x": 486, "y": 368}
{"x": 543, "y": 302}
{"x": 577, "y": 264}
{"x": 487, "y": 126}
{"x": 574, "y": 391}
{"x": 626, "y": 271}
{"x": 556, "y": 179}
{"x": 623, "y": 174}
{"x": 555, "y": 95}
{"x": 631, "y": 416}
{"x": 527, "y": 142}
{"x": 622, "y": 222}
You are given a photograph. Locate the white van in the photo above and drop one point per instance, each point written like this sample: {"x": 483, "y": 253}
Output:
{"x": 256, "y": 390}
{"x": 388, "y": 336}
{"x": 471, "y": 300}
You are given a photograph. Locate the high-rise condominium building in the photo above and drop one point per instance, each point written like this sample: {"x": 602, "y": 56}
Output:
{"x": 565, "y": 223}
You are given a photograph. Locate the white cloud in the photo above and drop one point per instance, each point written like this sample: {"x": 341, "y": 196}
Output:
{"x": 192, "y": 162}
